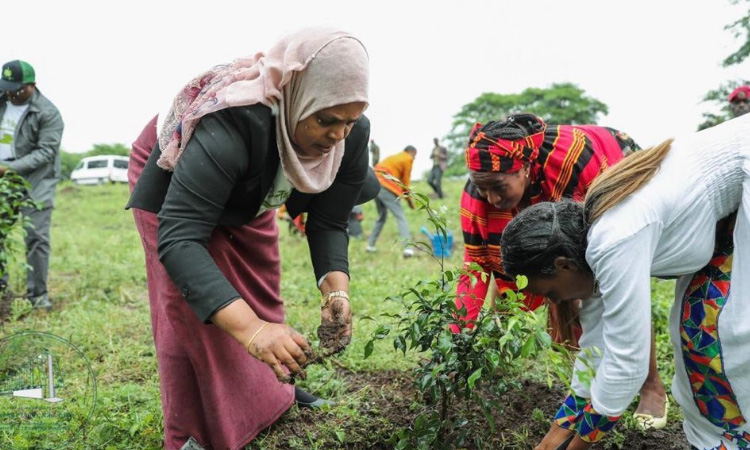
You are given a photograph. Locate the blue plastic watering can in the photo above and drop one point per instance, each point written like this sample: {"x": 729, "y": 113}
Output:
{"x": 441, "y": 245}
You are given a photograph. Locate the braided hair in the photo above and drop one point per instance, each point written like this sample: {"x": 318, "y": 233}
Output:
{"x": 540, "y": 234}
{"x": 513, "y": 127}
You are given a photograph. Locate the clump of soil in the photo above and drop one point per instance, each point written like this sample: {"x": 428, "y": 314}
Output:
{"x": 329, "y": 335}
{"x": 377, "y": 404}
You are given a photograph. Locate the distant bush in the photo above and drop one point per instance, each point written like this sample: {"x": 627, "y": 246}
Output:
{"x": 68, "y": 161}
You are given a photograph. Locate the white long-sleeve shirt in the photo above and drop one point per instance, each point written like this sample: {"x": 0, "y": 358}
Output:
{"x": 666, "y": 228}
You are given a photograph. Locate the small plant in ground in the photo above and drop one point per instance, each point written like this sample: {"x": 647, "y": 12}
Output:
{"x": 18, "y": 308}
{"x": 14, "y": 194}
{"x": 465, "y": 363}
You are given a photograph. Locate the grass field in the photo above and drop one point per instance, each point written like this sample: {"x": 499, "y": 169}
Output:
{"x": 98, "y": 287}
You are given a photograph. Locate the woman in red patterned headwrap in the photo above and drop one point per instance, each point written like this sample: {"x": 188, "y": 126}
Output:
{"x": 518, "y": 162}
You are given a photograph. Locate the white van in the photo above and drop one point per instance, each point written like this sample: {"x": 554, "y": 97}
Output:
{"x": 101, "y": 169}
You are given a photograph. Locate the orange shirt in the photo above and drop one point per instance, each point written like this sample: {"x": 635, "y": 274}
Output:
{"x": 397, "y": 166}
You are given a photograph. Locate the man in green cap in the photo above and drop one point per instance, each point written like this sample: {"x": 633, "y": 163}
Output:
{"x": 30, "y": 133}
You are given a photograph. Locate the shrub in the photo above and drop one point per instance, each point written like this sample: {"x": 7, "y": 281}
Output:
{"x": 14, "y": 192}
{"x": 459, "y": 363}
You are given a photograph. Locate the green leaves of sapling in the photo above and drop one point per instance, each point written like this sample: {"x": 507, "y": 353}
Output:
{"x": 462, "y": 361}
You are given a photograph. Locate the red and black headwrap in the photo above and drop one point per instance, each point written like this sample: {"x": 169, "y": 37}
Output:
{"x": 505, "y": 146}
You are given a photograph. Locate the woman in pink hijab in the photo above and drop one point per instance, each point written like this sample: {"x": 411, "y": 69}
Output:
{"x": 285, "y": 126}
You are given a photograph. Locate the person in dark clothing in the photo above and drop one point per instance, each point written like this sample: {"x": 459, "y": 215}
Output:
{"x": 238, "y": 143}
{"x": 375, "y": 152}
{"x": 355, "y": 222}
{"x": 439, "y": 158}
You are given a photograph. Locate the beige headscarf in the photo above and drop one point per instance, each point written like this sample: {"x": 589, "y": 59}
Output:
{"x": 303, "y": 73}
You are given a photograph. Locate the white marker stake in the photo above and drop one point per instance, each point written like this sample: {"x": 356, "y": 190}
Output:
{"x": 51, "y": 398}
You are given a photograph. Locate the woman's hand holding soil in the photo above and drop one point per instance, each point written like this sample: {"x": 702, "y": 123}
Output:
{"x": 335, "y": 331}
{"x": 281, "y": 346}
{"x": 277, "y": 345}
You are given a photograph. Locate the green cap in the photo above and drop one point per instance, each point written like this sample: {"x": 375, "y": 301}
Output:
{"x": 15, "y": 74}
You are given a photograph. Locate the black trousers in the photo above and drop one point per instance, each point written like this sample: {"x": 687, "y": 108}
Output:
{"x": 435, "y": 180}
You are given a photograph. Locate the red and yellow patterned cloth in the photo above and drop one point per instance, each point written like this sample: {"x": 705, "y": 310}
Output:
{"x": 567, "y": 160}
{"x": 485, "y": 154}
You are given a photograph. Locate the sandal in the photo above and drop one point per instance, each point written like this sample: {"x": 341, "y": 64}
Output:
{"x": 649, "y": 422}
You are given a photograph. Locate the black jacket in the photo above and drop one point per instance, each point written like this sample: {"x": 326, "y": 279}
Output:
{"x": 222, "y": 177}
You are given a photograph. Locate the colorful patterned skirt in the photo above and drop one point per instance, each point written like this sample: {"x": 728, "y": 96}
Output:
{"x": 710, "y": 328}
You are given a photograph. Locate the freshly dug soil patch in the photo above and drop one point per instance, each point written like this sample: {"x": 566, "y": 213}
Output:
{"x": 376, "y": 404}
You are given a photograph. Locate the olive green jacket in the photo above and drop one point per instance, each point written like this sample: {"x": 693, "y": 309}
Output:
{"x": 37, "y": 146}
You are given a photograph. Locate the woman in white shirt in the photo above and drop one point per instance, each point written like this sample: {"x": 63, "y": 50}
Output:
{"x": 666, "y": 212}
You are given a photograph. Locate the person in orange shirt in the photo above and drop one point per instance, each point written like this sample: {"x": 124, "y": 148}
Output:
{"x": 399, "y": 167}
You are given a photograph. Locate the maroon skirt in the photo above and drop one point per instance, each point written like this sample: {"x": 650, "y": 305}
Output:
{"x": 211, "y": 389}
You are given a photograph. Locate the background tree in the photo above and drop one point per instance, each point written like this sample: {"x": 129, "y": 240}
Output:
{"x": 562, "y": 103}
{"x": 741, "y": 30}
{"x": 68, "y": 161}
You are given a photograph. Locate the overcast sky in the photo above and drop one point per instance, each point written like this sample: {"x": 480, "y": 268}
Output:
{"x": 110, "y": 66}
